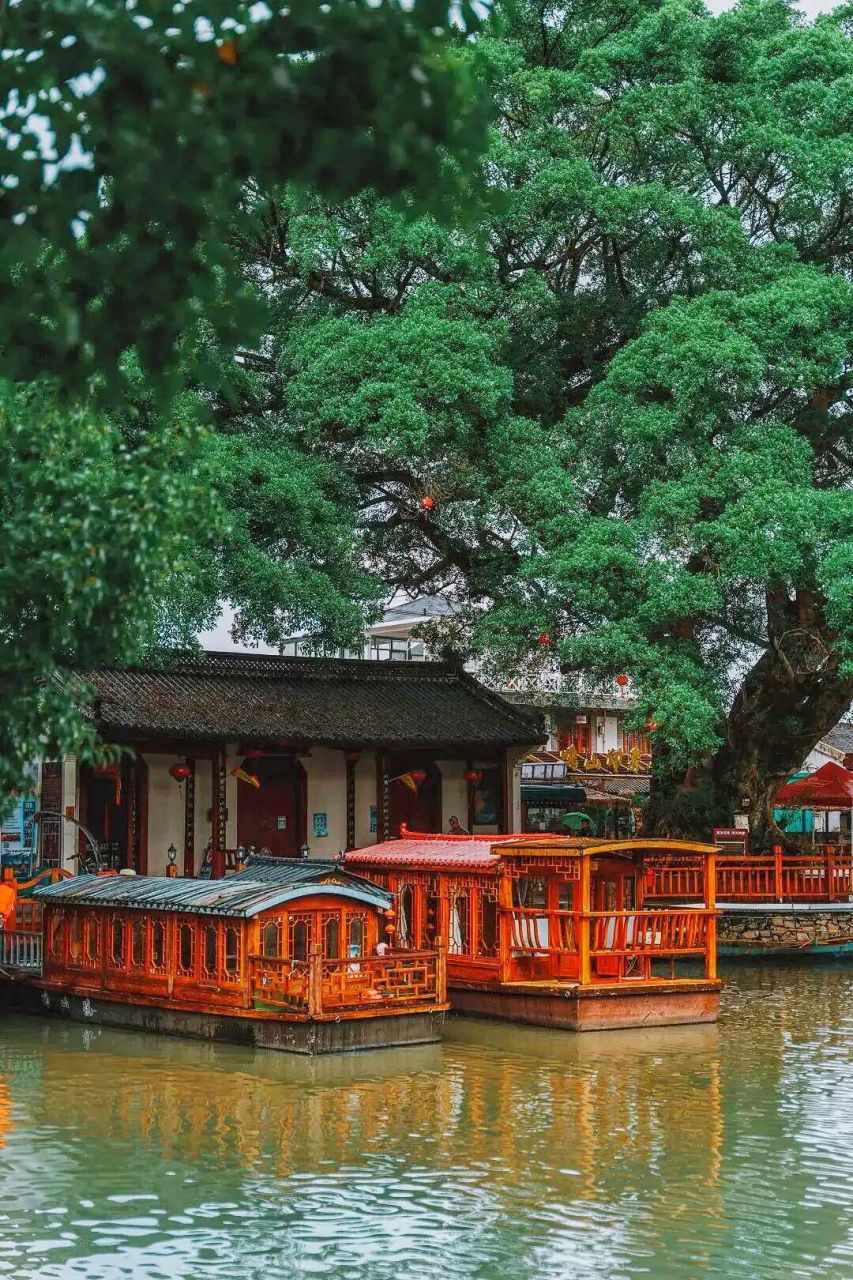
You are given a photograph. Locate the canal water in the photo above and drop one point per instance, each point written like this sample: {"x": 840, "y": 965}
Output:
{"x": 502, "y": 1154}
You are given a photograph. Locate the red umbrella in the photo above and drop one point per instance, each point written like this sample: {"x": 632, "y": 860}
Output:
{"x": 830, "y": 787}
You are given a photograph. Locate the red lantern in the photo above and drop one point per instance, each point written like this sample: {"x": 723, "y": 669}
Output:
{"x": 180, "y": 772}
{"x": 427, "y": 503}
{"x": 418, "y": 776}
{"x": 544, "y": 638}
{"x": 651, "y": 727}
{"x": 472, "y": 775}
{"x": 622, "y": 681}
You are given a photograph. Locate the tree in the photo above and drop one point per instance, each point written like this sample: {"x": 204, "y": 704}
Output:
{"x": 624, "y": 386}
{"x": 130, "y": 131}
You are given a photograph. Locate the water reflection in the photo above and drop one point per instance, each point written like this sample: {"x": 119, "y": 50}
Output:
{"x": 504, "y": 1152}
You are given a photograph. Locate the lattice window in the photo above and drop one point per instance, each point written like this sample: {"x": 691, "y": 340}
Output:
{"x": 299, "y": 937}
{"x": 271, "y": 937}
{"x": 331, "y": 925}
{"x": 487, "y": 924}
{"x": 117, "y": 941}
{"x": 356, "y": 934}
{"x": 91, "y": 940}
{"x": 158, "y": 946}
{"x": 232, "y": 953}
{"x": 186, "y": 949}
{"x": 75, "y": 939}
{"x": 429, "y": 930}
{"x": 137, "y": 944}
{"x": 209, "y": 950}
{"x": 460, "y": 923}
{"x": 566, "y": 897}
{"x": 57, "y": 935}
{"x": 530, "y": 891}
{"x": 405, "y": 916}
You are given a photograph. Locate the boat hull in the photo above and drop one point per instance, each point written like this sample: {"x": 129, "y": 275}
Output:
{"x": 303, "y": 1036}
{"x": 603, "y": 1008}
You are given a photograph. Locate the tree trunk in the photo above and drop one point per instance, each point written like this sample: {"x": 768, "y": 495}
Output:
{"x": 776, "y": 719}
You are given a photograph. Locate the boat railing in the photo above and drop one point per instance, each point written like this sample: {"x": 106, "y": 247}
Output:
{"x": 539, "y": 932}
{"x": 21, "y": 949}
{"x": 823, "y": 876}
{"x": 661, "y": 933}
{"x": 320, "y": 985}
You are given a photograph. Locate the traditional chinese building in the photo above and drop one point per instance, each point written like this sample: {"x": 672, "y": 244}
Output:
{"x": 607, "y": 785}
{"x": 223, "y": 751}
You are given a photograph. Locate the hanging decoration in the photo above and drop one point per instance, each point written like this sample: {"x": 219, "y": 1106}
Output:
{"x": 473, "y": 775}
{"x": 412, "y": 779}
{"x": 242, "y": 776}
{"x": 180, "y": 772}
{"x": 622, "y": 681}
{"x": 544, "y": 638}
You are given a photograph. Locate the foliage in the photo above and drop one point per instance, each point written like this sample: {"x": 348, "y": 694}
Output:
{"x": 131, "y": 128}
{"x": 90, "y": 531}
{"x": 626, "y": 387}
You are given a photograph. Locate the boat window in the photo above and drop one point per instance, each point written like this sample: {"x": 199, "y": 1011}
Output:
{"x": 117, "y": 942}
{"x": 186, "y": 948}
{"x": 209, "y": 954}
{"x": 232, "y": 951}
{"x": 430, "y": 926}
{"x": 299, "y": 931}
{"x": 530, "y": 891}
{"x": 566, "y": 897}
{"x": 355, "y": 935}
{"x": 405, "y": 915}
{"x": 137, "y": 944}
{"x": 459, "y": 923}
{"x": 75, "y": 938}
{"x": 271, "y": 939}
{"x": 158, "y": 945}
{"x": 57, "y": 936}
{"x": 90, "y": 939}
{"x": 487, "y": 934}
{"x": 332, "y": 938}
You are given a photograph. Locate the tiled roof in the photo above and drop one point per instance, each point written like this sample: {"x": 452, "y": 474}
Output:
{"x": 340, "y": 702}
{"x": 840, "y": 737}
{"x": 426, "y": 855}
{"x": 265, "y": 884}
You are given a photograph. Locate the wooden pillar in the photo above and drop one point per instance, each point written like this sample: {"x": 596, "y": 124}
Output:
{"x": 131, "y": 783}
{"x": 189, "y": 821}
{"x": 351, "y": 758}
{"x": 829, "y": 857}
{"x": 711, "y": 903}
{"x": 315, "y": 981}
{"x": 505, "y": 925}
{"x": 584, "y": 921}
{"x": 382, "y": 788}
{"x": 218, "y": 813}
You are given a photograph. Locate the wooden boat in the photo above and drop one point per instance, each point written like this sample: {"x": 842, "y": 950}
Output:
{"x": 552, "y": 930}
{"x": 282, "y": 955}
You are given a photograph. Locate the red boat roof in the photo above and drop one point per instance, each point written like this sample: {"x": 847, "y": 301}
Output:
{"x": 436, "y": 854}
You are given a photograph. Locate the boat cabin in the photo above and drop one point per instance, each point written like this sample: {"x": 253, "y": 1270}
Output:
{"x": 553, "y": 930}
{"x": 286, "y": 954}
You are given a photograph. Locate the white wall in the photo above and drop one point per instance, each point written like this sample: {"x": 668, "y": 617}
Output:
{"x": 165, "y": 813}
{"x": 454, "y": 792}
{"x": 365, "y": 798}
{"x": 327, "y": 793}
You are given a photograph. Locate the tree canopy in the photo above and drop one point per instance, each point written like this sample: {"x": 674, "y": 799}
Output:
{"x": 130, "y": 131}
{"x": 624, "y": 385}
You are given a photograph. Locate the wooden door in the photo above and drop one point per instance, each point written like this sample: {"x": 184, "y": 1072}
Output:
{"x": 273, "y": 815}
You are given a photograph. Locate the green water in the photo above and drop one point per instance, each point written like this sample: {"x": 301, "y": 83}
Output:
{"x": 503, "y": 1153}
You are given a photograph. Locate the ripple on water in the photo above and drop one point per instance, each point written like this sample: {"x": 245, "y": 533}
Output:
{"x": 504, "y": 1154}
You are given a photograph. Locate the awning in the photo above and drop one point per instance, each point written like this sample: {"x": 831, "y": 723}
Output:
{"x": 830, "y": 787}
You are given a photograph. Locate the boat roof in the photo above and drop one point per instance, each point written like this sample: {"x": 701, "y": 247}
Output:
{"x": 266, "y": 883}
{"x": 421, "y": 851}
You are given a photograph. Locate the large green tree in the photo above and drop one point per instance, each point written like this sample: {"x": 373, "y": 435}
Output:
{"x": 624, "y": 383}
{"x": 129, "y": 131}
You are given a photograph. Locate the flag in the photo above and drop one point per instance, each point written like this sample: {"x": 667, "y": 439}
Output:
{"x": 243, "y": 776}
{"x": 408, "y": 781}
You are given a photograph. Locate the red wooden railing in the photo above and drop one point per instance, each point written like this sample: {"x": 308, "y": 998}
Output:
{"x": 539, "y": 931}
{"x": 823, "y": 876}
{"x": 662, "y": 933}
{"x": 320, "y": 986}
